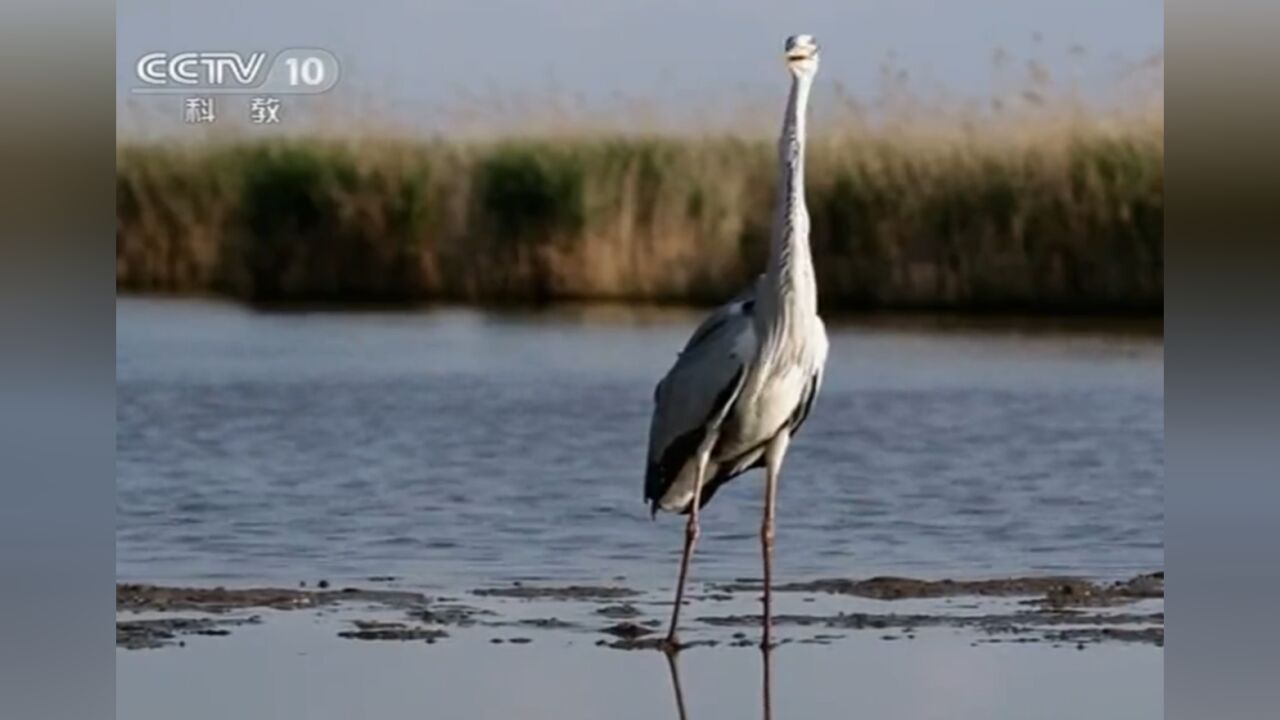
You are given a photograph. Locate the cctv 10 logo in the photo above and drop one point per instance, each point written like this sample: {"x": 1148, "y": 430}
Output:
{"x": 299, "y": 70}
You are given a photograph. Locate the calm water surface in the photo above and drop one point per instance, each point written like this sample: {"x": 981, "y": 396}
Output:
{"x": 289, "y": 669}
{"x": 455, "y": 448}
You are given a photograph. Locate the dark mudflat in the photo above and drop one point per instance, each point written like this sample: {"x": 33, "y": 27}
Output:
{"x": 625, "y": 610}
{"x": 225, "y": 604}
{"x": 1060, "y": 591}
{"x": 1058, "y": 610}
{"x": 154, "y": 633}
{"x": 140, "y": 598}
{"x": 374, "y": 630}
{"x": 570, "y": 592}
{"x": 628, "y": 630}
{"x": 1028, "y": 626}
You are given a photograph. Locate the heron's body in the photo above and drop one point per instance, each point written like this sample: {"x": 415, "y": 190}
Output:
{"x": 766, "y": 376}
{"x": 745, "y": 381}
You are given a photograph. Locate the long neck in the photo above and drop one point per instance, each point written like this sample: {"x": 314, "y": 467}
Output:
{"x": 789, "y": 274}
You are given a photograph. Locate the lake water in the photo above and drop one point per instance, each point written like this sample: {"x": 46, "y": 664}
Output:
{"x": 458, "y": 448}
{"x": 291, "y": 668}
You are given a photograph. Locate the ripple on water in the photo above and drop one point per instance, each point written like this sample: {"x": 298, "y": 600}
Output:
{"x": 441, "y": 448}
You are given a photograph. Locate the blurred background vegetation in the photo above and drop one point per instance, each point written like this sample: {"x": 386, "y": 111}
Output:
{"x": 1030, "y": 203}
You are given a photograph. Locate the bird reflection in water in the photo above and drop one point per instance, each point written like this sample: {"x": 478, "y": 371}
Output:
{"x": 673, "y": 664}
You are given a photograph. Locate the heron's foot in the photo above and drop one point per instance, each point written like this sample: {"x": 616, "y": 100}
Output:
{"x": 671, "y": 644}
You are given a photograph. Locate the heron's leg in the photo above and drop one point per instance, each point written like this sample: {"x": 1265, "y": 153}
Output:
{"x": 675, "y": 685}
{"x": 690, "y": 536}
{"x": 773, "y": 465}
{"x": 768, "y": 684}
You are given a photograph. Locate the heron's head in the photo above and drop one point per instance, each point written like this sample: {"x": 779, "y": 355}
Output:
{"x": 802, "y": 55}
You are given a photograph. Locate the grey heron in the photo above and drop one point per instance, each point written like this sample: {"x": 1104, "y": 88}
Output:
{"x": 747, "y": 378}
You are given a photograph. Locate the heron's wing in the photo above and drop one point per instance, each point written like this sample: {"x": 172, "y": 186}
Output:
{"x": 698, "y": 390}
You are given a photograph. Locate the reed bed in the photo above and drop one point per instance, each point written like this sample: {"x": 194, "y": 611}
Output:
{"x": 1067, "y": 217}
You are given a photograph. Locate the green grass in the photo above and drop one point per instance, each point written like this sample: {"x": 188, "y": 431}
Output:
{"x": 1067, "y": 220}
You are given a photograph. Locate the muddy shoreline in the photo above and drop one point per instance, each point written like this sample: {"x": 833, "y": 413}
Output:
{"x": 1062, "y": 611}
